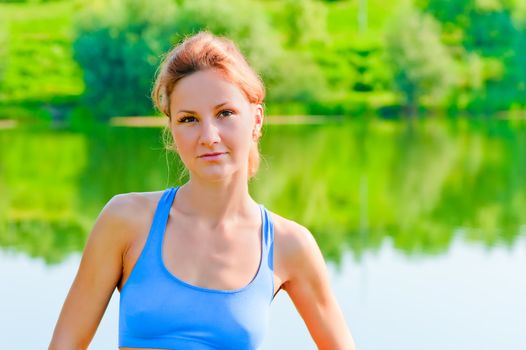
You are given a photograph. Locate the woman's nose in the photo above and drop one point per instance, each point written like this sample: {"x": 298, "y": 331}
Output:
{"x": 209, "y": 134}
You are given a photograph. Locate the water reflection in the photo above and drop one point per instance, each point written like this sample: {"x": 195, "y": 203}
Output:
{"x": 360, "y": 183}
{"x": 352, "y": 184}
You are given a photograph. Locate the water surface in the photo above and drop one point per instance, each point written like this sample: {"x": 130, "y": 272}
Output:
{"x": 423, "y": 226}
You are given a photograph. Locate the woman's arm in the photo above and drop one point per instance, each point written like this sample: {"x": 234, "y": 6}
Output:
{"x": 309, "y": 288}
{"x": 98, "y": 275}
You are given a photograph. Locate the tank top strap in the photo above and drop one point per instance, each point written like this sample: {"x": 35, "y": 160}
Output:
{"x": 156, "y": 235}
{"x": 268, "y": 237}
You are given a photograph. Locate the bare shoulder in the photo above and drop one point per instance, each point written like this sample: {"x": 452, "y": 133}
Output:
{"x": 126, "y": 206}
{"x": 127, "y": 214}
{"x": 291, "y": 236}
{"x": 294, "y": 246}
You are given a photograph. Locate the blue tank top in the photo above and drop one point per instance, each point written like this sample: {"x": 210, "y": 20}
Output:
{"x": 158, "y": 310}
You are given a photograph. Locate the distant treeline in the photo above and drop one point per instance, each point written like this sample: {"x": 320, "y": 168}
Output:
{"x": 316, "y": 57}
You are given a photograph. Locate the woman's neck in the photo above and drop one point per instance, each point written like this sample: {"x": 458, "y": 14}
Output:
{"x": 216, "y": 202}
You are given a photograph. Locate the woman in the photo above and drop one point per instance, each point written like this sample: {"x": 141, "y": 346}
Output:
{"x": 197, "y": 266}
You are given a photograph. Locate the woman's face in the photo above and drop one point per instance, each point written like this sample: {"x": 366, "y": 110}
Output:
{"x": 213, "y": 125}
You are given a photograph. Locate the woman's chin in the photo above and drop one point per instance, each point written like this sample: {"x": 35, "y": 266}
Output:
{"x": 216, "y": 174}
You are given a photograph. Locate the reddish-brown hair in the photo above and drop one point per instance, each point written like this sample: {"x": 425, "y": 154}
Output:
{"x": 206, "y": 51}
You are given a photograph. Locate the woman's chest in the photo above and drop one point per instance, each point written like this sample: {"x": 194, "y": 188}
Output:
{"x": 213, "y": 260}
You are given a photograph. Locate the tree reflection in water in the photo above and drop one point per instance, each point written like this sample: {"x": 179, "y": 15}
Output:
{"x": 353, "y": 184}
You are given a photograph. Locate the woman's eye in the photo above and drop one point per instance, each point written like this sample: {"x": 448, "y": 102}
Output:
{"x": 225, "y": 113}
{"x": 187, "y": 119}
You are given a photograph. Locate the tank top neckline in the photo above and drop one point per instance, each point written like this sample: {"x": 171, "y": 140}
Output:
{"x": 263, "y": 250}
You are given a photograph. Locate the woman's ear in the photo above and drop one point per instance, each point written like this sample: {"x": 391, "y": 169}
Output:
{"x": 258, "y": 121}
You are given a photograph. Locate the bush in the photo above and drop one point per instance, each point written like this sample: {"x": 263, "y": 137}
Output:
{"x": 420, "y": 63}
{"x": 519, "y": 67}
{"x": 3, "y": 52}
{"x": 305, "y": 21}
{"x": 119, "y": 46}
{"x": 288, "y": 76}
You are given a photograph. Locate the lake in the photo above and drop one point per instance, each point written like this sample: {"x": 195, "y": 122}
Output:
{"x": 422, "y": 224}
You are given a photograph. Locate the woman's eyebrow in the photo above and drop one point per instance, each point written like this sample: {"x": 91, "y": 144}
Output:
{"x": 193, "y": 112}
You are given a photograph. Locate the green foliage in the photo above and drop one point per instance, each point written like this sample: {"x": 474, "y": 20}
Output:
{"x": 27, "y": 1}
{"x": 51, "y": 240}
{"x": 487, "y": 26}
{"x": 288, "y": 75}
{"x": 314, "y": 56}
{"x": 238, "y": 20}
{"x": 349, "y": 196}
{"x": 487, "y": 29}
{"x": 519, "y": 67}
{"x": 421, "y": 64}
{"x": 362, "y": 182}
{"x": 304, "y": 21}
{"x": 520, "y": 13}
{"x": 3, "y": 53}
{"x": 119, "y": 45}
{"x": 447, "y": 11}
{"x": 490, "y": 33}
{"x": 40, "y": 68}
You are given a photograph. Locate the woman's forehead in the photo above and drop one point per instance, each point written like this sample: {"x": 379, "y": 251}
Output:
{"x": 203, "y": 89}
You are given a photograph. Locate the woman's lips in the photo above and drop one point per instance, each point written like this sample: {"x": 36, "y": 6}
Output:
{"x": 211, "y": 156}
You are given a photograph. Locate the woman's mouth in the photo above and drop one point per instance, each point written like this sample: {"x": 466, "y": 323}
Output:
{"x": 211, "y": 156}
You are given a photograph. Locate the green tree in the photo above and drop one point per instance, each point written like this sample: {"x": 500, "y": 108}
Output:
{"x": 118, "y": 45}
{"x": 520, "y": 67}
{"x": 485, "y": 28}
{"x": 448, "y": 12}
{"x": 305, "y": 21}
{"x": 288, "y": 75}
{"x": 239, "y": 20}
{"x": 490, "y": 32}
{"x": 420, "y": 63}
{"x": 3, "y": 52}
{"x": 520, "y": 12}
